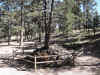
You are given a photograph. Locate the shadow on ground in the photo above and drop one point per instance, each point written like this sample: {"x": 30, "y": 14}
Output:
{"x": 91, "y": 47}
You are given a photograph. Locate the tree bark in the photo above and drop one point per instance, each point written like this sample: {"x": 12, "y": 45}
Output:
{"x": 9, "y": 27}
{"x": 47, "y": 26}
{"x": 9, "y": 33}
{"x": 22, "y": 25}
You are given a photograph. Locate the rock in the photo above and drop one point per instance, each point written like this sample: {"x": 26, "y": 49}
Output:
{"x": 64, "y": 55}
{"x": 59, "y": 50}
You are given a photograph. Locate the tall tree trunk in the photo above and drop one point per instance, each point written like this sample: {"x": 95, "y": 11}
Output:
{"x": 45, "y": 23}
{"x": 9, "y": 33}
{"x": 39, "y": 32}
{"x": 47, "y": 26}
{"x": 22, "y": 25}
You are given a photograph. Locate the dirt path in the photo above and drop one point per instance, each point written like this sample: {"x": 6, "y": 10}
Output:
{"x": 87, "y": 69}
{"x": 74, "y": 71}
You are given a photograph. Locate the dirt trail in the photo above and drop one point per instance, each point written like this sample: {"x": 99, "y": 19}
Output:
{"x": 78, "y": 70}
{"x": 74, "y": 71}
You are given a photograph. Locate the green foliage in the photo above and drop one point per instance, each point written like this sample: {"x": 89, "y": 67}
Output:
{"x": 34, "y": 14}
{"x": 96, "y": 19}
{"x": 67, "y": 14}
{"x": 71, "y": 14}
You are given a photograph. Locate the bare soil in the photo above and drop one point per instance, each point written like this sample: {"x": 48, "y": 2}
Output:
{"x": 86, "y": 65}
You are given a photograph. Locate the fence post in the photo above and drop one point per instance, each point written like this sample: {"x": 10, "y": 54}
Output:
{"x": 73, "y": 58}
{"x": 35, "y": 65}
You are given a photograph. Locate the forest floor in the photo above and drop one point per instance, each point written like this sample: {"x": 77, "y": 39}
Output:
{"x": 87, "y": 60}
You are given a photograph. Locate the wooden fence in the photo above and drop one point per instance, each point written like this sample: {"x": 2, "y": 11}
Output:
{"x": 36, "y": 62}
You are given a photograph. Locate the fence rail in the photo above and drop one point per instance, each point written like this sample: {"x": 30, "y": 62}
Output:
{"x": 36, "y": 62}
